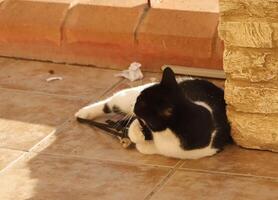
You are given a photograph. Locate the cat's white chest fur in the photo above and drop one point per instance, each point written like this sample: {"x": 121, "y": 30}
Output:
{"x": 168, "y": 144}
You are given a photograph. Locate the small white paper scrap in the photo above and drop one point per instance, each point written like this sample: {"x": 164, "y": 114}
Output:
{"x": 54, "y": 78}
{"x": 133, "y": 73}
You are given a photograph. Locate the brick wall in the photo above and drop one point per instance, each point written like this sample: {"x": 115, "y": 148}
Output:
{"x": 112, "y": 33}
{"x": 249, "y": 29}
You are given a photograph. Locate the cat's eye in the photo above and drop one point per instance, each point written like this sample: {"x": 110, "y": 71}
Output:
{"x": 167, "y": 112}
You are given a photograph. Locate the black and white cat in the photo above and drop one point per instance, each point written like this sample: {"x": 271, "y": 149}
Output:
{"x": 187, "y": 120}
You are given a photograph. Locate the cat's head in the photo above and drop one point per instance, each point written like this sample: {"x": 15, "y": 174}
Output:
{"x": 157, "y": 105}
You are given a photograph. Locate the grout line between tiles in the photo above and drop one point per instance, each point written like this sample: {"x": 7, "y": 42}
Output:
{"x": 61, "y": 63}
{"x": 164, "y": 180}
{"x": 45, "y": 138}
{"x": 14, "y": 162}
{"x": 82, "y": 97}
{"x": 26, "y": 152}
{"x": 111, "y": 88}
{"x": 130, "y": 163}
{"x": 228, "y": 173}
{"x": 59, "y": 127}
{"x": 13, "y": 149}
{"x": 45, "y": 93}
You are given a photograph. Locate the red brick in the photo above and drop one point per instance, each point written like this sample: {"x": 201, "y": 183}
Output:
{"x": 189, "y": 5}
{"x": 102, "y": 24}
{"x": 103, "y": 56}
{"x": 31, "y": 21}
{"x": 154, "y": 61}
{"x": 114, "y": 3}
{"x": 184, "y": 33}
{"x": 101, "y": 35}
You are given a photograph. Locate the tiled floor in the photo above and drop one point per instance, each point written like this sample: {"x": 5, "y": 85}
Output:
{"x": 46, "y": 154}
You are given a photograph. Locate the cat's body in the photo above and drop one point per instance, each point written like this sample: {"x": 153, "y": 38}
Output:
{"x": 187, "y": 120}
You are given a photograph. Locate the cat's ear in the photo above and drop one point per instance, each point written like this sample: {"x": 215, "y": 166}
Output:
{"x": 168, "y": 78}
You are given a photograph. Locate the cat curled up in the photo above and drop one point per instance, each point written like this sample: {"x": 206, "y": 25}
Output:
{"x": 185, "y": 119}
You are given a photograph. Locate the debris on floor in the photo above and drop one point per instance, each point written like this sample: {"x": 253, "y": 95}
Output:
{"x": 51, "y": 71}
{"x": 55, "y": 78}
{"x": 133, "y": 73}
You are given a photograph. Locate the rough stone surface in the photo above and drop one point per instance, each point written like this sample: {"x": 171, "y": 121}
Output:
{"x": 253, "y": 65}
{"x": 253, "y": 98}
{"x": 249, "y": 9}
{"x": 256, "y": 131}
{"x": 249, "y": 34}
{"x": 249, "y": 29}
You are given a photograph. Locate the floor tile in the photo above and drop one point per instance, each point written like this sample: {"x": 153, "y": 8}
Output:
{"x": 49, "y": 177}
{"x": 7, "y": 156}
{"x": 84, "y": 141}
{"x": 148, "y": 78}
{"x": 218, "y": 82}
{"x": 22, "y": 135}
{"x": 26, "y": 118}
{"x": 156, "y": 77}
{"x": 77, "y": 80}
{"x": 190, "y": 185}
{"x": 238, "y": 160}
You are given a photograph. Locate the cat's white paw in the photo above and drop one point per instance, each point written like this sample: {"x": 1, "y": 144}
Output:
{"x": 86, "y": 113}
{"x": 91, "y": 111}
{"x": 134, "y": 132}
{"x": 82, "y": 113}
{"x": 147, "y": 147}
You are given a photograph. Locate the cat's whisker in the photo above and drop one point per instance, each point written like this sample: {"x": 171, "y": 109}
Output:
{"x": 118, "y": 124}
{"x": 130, "y": 118}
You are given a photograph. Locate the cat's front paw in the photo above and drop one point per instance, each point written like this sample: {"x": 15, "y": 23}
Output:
{"x": 82, "y": 113}
{"x": 135, "y": 133}
{"x": 85, "y": 113}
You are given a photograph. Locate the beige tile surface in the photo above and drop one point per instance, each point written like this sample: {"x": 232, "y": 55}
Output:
{"x": 191, "y": 185}
{"x": 22, "y": 135}
{"x": 238, "y": 160}
{"x": 49, "y": 177}
{"x": 7, "y": 156}
{"x": 77, "y": 80}
{"x": 78, "y": 162}
{"x": 26, "y": 118}
{"x": 156, "y": 77}
{"x": 84, "y": 141}
{"x": 37, "y": 108}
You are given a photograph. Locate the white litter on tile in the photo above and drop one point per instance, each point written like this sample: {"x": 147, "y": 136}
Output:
{"x": 133, "y": 73}
{"x": 55, "y": 78}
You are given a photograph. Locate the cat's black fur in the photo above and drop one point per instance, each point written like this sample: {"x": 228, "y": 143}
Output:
{"x": 169, "y": 104}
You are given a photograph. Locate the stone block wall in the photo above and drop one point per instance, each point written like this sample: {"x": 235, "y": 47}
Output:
{"x": 249, "y": 29}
